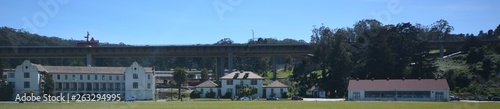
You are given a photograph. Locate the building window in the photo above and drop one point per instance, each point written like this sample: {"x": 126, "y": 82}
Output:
{"x": 73, "y": 77}
{"x": 135, "y": 85}
{"x": 272, "y": 91}
{"x": 58, "y": 77}
{"x": 81, "y": 77}
{"x": 12, "y": 84}
{"x": 88, "y": 77}
{"x": 26, "y": 75}
{"x": 253, "y": 82}
{"x": 241, "y": 82}
{"x": 229, "y": 90}
{"x": 11, "y": 75}
{"x": 26, "y": 84}
{"x": 149, "y": 85}
{"x": 201, "y": 91}
{"x": 117, "y": 77}
{"x": 123, "y": 77}
{"x": 65, "y": 77}
{"x": 110, "y": 77}
{"x": 135, "y": 76}
{"x": 229, "y": 82}
{"x": 103, "y": 77}
{"x": 95, "y": 77}
{"x": 281, "y": 91}
{"x": 149, "y": 76}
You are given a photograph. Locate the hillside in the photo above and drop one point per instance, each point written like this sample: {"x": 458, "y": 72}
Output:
{"x": 475, "y": 73}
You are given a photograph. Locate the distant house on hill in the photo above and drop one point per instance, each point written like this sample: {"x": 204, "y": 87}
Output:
{"x": 398, "y": 90}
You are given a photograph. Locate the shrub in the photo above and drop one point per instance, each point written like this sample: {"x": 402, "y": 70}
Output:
{"x": 195, "y": 94}
{"x": 210, "y": 94}
{"x": 227, "y": 95}
{"x": 284, "y": 95}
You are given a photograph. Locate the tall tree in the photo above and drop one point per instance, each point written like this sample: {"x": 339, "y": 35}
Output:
{"x": 442, "y": 28}
{"x": 204, "y": 74}
{"x": 180, "y": 76}
{"x": 288, "y": 62}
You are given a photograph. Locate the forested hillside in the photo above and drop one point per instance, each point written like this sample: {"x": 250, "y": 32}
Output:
{"x": 372, "y": 50}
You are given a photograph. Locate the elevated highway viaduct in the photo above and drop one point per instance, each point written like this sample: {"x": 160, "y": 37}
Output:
{"x": 222, "y": 52}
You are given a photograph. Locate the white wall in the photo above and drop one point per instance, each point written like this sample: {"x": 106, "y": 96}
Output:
{"x": 205, "y": 90}
{"x": 33, "y": 79}
{"x": 431, "y": 98}
{"x": 142, "y": 91}
{"x": 276, "y": 91}
{"x": 238, "y": 82}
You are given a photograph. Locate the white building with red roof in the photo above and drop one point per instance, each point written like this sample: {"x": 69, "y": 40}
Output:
{"x": 398, "y": 90}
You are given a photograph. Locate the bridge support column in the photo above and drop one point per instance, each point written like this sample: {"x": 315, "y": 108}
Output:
{"x": 220, "y": 67}
{"x": 441, "y": 50}
{"x": 230, "y": 62}
{"x": 275, "y": 68}
{"x": 90, "y": 60}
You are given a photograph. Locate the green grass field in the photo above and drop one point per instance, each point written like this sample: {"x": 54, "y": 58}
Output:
{"x": 253, "y": 105}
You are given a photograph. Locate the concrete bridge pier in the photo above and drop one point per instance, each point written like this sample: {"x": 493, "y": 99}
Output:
{"x": 230, "y": 62}
{"x": 275, "y": 67}
{"x": 221, "y": 65}
{"x": 441, "y": 50}
{"x": 90, "y": 60}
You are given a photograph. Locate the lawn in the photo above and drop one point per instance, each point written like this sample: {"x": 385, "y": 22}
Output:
{"x": 253, "y": 105}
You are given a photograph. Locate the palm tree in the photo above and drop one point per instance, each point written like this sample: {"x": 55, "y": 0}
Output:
{"x": 180, "y": 76}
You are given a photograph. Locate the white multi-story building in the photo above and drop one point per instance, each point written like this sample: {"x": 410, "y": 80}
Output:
{"x": 133, "y": 81}
{"x": 230, "y": 83}
{"x": 233, "y": 81}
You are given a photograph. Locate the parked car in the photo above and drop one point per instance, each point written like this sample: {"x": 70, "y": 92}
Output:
{"x": 272, "y": 98}
{"x": 245, "y": 99}
{"x": 479, "y": 98}
{"x": 129, "y": 99}
{"x": 455, "y": 98}
{"x": 297, "y": 98}
{"x": 495, "y": 98}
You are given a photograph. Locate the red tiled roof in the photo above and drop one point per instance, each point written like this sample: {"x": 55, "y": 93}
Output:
{"x": 399, "y": 84}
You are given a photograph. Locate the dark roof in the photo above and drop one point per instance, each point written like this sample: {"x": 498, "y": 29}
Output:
{"x": 399, "y": 84}
{"x": 207, "y": 84}
{"x": 241, "y": 75}
{"x": 276, "y": 84}
{"x": 315, "y": 88}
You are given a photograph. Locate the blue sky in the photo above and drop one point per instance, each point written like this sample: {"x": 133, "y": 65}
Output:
{"x": 168, "y": 22}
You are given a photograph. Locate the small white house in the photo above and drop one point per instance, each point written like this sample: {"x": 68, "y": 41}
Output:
{"x": 207, "y": 87}
{"x": 398, "y": 90}
{"x": 275, "y": 89}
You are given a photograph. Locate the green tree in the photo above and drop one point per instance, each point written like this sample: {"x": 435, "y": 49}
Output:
{"x": 180, "y": 76}
{"x": 288, "y": 62}
{"x": 246, "y": 91}
{"x": 204, "y": 74}
{"x": 6, "y": 91}
{"x": 48, "y": 85}
{"x": 194, "y": 94}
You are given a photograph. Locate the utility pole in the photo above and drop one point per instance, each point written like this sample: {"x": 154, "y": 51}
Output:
{"x": 253, "y": 38}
